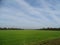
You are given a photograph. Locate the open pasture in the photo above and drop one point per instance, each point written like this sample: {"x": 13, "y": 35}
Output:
{"x": 26, "y": 37}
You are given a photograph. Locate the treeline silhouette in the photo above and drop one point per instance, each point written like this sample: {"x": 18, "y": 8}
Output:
{"x": 58, "y": 29}
{"x": 10, "y": 28}
{"x": 5, "y": 28}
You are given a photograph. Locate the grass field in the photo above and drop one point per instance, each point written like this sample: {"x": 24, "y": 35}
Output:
{"x": 26, "y": 37}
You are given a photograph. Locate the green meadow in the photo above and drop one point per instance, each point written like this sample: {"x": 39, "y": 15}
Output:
{"x": 26, "y": 37}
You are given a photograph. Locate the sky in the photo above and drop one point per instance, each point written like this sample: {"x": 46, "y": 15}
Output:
{"x": 30, "y": 14}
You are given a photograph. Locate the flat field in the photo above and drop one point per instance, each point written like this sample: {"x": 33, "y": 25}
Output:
{"x": 26, "y": 37}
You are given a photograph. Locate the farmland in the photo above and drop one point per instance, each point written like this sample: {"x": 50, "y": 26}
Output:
{"x": 26, "y": 37}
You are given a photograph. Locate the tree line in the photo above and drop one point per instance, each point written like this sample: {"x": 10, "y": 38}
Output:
{"x": 10, "y": 28}
{"x": 58, "y": 29}
{"x": 5, "y": 28}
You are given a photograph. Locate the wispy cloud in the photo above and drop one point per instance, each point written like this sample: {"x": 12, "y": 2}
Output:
{"x": 30, "y": 14}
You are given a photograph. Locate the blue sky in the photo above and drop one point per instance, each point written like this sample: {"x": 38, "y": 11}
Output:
{"x": 30, "y": 14}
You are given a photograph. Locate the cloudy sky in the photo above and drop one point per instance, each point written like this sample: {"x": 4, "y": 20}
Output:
{"x": 30, "y": 13}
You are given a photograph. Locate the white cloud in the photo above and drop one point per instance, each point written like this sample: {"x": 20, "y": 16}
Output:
{"x": 30, "y": 17}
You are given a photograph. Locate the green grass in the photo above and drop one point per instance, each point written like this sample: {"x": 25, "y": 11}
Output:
{"x": 26, "y": 37}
